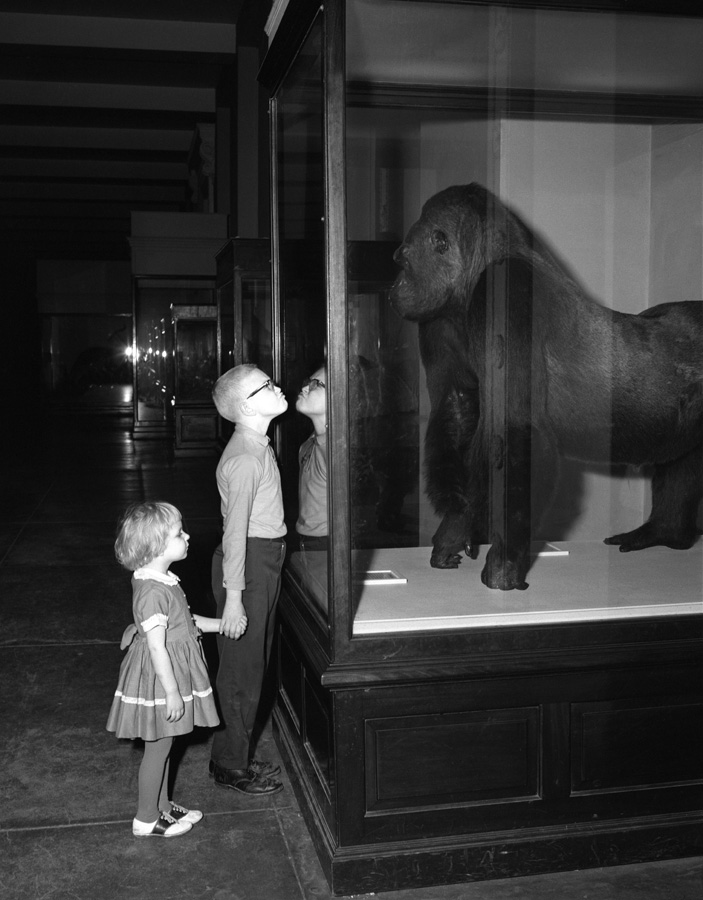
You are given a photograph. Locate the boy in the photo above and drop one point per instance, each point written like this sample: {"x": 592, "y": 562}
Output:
{"x": 312, "y": 458}
{"x": 246, "y": 572}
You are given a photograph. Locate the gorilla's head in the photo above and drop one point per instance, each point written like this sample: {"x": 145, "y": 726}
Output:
{"x": 443, "y": 253}
{"x": 461, "y": 230}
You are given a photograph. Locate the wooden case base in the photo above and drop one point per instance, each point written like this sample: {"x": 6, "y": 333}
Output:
{"x": 573, "y": 747}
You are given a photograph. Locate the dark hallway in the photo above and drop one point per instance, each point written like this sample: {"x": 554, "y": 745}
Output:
{"x": 68, "y": 787}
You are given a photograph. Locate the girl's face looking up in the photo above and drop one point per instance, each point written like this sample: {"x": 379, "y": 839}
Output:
{"x": 177, "y": 543}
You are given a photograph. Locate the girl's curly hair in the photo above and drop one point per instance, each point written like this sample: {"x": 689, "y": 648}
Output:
{"x": 143, "y": 533}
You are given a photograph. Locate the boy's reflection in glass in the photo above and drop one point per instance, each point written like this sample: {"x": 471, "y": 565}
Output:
{"x": 312, "y": 458}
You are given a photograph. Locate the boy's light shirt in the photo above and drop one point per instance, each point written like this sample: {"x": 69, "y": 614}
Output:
{"x": 249, "y": 483}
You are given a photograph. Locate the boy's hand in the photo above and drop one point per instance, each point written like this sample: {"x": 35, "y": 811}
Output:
{"x": 175, "y": 707}
{"x": 234, "y": 618}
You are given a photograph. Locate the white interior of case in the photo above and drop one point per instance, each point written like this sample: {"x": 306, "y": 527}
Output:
{"x": 593, "y": 582}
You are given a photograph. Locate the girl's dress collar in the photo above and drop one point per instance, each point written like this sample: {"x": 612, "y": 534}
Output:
{"x": 146, "y": 573}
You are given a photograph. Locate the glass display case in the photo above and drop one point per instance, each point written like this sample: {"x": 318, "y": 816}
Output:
{"x": 468, "y": 674}
{"x": 154, "y": 352}
{"x": 195, "y": 342}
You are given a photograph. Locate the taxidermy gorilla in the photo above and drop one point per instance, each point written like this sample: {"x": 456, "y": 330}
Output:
{"x": 520, "y": 363}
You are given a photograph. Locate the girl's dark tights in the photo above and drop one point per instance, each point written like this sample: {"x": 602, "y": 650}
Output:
{"x": 153, "y": 780}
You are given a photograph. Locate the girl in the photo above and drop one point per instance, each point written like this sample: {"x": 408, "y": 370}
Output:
{"x": 163, "y": 688}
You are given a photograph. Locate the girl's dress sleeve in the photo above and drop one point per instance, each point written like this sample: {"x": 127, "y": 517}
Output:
{"x": 151, "y": 607}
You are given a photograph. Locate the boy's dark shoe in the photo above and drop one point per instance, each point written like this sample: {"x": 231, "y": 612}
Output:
{"x": 244, "y": 781}
{"x": 263, "y": 768}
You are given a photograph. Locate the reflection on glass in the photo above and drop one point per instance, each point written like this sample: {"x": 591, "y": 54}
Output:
{"x": 383, "y": 390}
{"x": 256, "y": 321}
{"x": 312, "y": 461}
{"x": 300, "y": 216}
{"x": 154, "y": 356}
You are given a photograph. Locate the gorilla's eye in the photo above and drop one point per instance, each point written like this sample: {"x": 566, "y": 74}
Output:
{"x": 439, "y": 241}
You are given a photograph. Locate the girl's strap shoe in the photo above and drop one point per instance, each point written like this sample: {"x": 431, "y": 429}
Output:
{"x": 181, "y": 814}
{"x": 165, "y": 826}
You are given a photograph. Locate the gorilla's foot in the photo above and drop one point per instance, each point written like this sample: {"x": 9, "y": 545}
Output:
{"x": 503, "y": 574}
{"x": 650, "y": 535}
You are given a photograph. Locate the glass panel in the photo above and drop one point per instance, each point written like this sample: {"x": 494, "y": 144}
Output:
{"x": 154, "y": 357}
{"x": 300, "y": 221}
{"x": 590, "y": 146}
{"x": 256, "y": 320}
{"x": 384, "y": 390}
{"x": 458, "y": 45}
{"x": 154, "y": 351}
{"x": 196, "y": 361}
{"x": 226, "y": 324}
{"x": 225, "y": 313}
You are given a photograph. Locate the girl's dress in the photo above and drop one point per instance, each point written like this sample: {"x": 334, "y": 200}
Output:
{"x": 139, "y": 706}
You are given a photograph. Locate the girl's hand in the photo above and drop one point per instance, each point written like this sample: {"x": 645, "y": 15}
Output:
{"x": 206, "y": 624}
{"x": 175, "y": 707}
{"x": 234, "y": 618}
{"x": 240, "y": 627}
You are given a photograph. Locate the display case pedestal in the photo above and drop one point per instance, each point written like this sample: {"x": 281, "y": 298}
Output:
{"x": 502, "y": 750}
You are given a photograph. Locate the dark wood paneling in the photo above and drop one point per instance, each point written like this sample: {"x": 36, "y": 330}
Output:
{"x": 290, "y": 676}
{"x": 318, "y": 732}
{"x": 529, "y": 852}
{"x": 439, "y": 760}
{"x": 624, "y": 744}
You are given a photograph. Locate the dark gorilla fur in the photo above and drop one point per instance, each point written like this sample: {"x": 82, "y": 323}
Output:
{"x": 578, "y": 380}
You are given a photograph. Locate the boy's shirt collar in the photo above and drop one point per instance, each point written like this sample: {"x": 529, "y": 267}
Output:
{"x": 262, "y": 439}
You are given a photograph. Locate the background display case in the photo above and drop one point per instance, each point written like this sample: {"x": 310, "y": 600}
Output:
{"x": 437, "y": 730}
{"x": 195, "y": 342}
{"x": 156, "y": 355}
{"x": 244, "y": 331}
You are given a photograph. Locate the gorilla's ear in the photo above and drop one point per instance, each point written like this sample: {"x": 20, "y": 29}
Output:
{"x": 440, "y": 241}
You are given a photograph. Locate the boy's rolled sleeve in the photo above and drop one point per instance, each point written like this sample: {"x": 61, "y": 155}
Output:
{"x": 239, "y": 480}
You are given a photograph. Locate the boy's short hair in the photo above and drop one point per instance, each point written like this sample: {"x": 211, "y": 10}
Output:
{"x": 228, "y": 391}
{"x": 143, "y": 531}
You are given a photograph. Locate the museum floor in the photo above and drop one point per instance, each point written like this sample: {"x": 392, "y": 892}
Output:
{"x": 68, "y": 787}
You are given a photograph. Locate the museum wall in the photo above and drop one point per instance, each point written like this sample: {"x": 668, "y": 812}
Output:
{"x": 677, "y": 208}
{"x": 585, "y": 187}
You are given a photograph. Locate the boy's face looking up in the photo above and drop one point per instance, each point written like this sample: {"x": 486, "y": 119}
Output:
{"x": 263, "y": 395}
{"x": 312, "y": 399}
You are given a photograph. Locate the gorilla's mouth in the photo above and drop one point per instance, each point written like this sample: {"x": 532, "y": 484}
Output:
{"x": 395, "y": 291}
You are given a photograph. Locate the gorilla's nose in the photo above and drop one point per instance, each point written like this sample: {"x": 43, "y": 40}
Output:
{"x": 399, "y": 255}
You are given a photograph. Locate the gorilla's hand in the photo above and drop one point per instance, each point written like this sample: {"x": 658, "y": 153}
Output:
{"x": 451, "y": 539}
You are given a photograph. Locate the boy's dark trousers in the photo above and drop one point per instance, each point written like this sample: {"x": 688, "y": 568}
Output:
{"x": 243, "y": 662}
